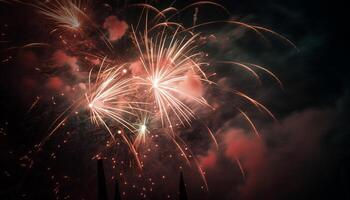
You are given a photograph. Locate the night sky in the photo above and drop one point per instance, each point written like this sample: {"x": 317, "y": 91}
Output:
{"x": 305, "y": 155}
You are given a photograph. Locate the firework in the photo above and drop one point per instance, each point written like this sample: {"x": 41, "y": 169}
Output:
{"x": 65, "y": 14}
{"x": 107, "y": 96}
{"x": 168, "y": 62}
{"x": 108, "y": 100}
{"x": 169, "y": 87}
{"x": 142, "y": 129}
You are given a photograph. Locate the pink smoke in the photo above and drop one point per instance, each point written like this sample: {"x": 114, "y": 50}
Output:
{"x": 209, "y": 160}
{"x": 136, "y": 68}
{"x": 266, "y": 168}
{"x": 54, "y": 83}
{"x": 116, "y": 28}
{"x": 60, "y": 58}
{"x": 192, "y": 84}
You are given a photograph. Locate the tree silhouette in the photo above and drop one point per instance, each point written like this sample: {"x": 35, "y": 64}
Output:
{"x": 182, "y": 188}
{"x": 117, "y": 192}
{"x": 101, "y": 182}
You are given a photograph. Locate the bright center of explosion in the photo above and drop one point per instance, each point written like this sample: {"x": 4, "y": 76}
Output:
{"x": 76, "y": 24}
{"x": 155, "y": 84}
{"x": 95, "y": 104}
{"x": 143, "y": 129}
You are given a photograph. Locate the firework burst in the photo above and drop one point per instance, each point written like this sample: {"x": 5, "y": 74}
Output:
{"x": 107, "y": 96}
{"x": 168, "y": 63}
{"x": 65, "y": 14}
{"x": 169, "y": 87}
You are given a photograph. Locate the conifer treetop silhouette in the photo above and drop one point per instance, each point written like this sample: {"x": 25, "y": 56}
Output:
{"x": 101, "y": 182}
{"x": 182, "y": 188}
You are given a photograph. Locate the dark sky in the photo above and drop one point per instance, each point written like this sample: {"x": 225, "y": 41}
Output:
{"x": 304, "y": 156}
